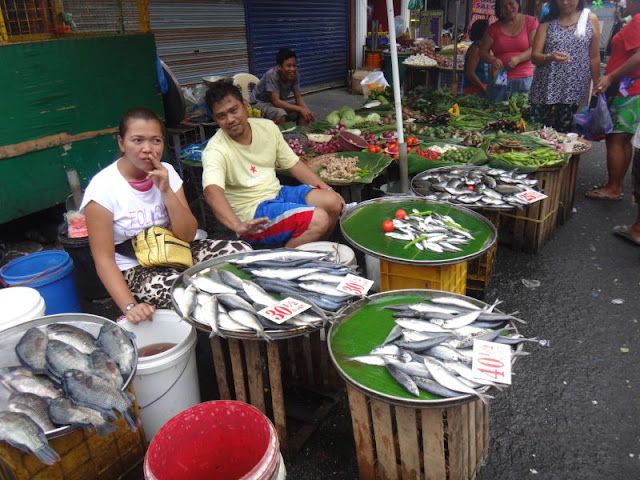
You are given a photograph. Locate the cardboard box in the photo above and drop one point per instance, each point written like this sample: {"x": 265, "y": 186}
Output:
{"x": 358, "y": 75}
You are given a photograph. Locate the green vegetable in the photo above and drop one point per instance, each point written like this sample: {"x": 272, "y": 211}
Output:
{"x": 373, "y": 117}
{"x": 333, "y": 118}
{"x": 415, "y": 240}
{"x": 344, "y": 110}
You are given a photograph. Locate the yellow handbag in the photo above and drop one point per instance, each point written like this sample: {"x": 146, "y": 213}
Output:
{"x": 158, "y": 247}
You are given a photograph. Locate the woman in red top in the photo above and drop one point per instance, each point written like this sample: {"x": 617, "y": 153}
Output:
{"x": 621, "y": 83}
{"x": 507, "y": 45}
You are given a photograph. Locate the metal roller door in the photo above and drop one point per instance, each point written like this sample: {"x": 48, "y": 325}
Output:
{"x": 196, "y": 38}
{"x": 317, "y": 30}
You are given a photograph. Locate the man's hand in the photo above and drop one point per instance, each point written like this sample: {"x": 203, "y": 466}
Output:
{"x": 603, "y": 85}
{"x": 249, "y": 227}
{"x": 159, "y": 175}
{"x": 307, "y": 114}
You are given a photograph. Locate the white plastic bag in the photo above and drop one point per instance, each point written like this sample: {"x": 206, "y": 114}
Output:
{"x": 374, "y": 81}
{"x": 635, "y": 141}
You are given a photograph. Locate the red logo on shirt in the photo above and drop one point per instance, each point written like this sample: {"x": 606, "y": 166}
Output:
{"x": 253, "y": 169}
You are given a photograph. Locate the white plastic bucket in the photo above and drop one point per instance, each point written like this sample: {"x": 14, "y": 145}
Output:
{"x": 19, "y": 305}
{"x": 339, "y": 253}
{"x": 372, "y": 267}
{"x": 167, "y": 383}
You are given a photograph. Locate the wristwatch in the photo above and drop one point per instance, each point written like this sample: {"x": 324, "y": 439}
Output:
{"x": 129, "y": 307}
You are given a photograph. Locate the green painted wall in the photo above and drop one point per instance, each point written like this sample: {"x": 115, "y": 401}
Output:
{"x": 73, "y": 86}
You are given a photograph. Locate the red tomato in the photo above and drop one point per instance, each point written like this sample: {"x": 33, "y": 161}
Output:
{"x": 401, "y": 214}
{"x": 387, "y": 226}
{"x": 371, "y": 148}
{"x": 470, "y": 187}
{"x": 393, "y": 148}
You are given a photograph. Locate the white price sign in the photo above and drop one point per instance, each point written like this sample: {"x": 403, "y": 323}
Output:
{"x": 284, "y": 310}
{"x": 531, "y": 196}
{"x": 491, "y": 361}
{"x": 354, "y": 285}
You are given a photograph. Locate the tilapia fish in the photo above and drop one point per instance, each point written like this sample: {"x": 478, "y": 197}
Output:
{"x": 34, "y": 407}
{"x": 31, "y": 349}
{"x": 117, "y": 343}
{"x": 64, "y": 412}
{"x": 19, "y": 430}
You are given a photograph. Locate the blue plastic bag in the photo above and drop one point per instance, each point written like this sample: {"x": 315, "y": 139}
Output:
{"x": 596, "y": 122}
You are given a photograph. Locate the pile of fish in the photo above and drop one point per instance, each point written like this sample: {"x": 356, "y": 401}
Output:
{"x": 473, "y": 186}
{"x": 66, "y": 377}
{"x": 224, "y": 302}
{"x": 430, "y": 347}
{"x": 430, "y": 231}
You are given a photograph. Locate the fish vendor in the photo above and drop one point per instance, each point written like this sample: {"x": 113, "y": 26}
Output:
{"x": 271, "y": 93}
{"x": 240, "y": 183}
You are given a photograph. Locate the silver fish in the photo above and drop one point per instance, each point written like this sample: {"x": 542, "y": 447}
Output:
{"x": 457, "y": 302}
{"x": 211, "y": 315}
{"x": 230, "y": 279}
{"x": 257, "y": 294}
{"x": 117, "y": 343}
{"x": 322, "y": 288}
{"x": 403, "y": 379}
{"x": 18, "y": 430}
{"x": 431, "y": 386}
{"x": 65, "y": 412}
{"x": 106, "y": 367}
{"x": 62, "y": 357}
{"x": 282, "y": 255}
{"x": 250, "y": 321}
{"x": 442, "y": 352}
{"x": 82, "y": 340}
{"x": 444, "y": 378}
{"x": 31, "y": 348}
{"x": 33, "y": 406}
{"x": 233, "y": 301}
{"x": 208, "y": 285}
{"x": 375, "y": 360}
{"x": 282, "y": 273}
{"x": 38, "y": 385}
{"x": 420, "y": 325}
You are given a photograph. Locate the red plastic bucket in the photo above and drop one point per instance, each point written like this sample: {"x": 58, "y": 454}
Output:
{"x": 223, "y": 439}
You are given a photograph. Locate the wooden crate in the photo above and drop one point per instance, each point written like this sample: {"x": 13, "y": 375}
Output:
{"x": 404, "y": 443}
{"x": 479, "y": 269}
{"x": 84, "y": 455}
{"x": 449, "y": 278}
{"x": 529, "y": 229}
{"x": 568, "y": 189}
{"x": 292, "y": 381}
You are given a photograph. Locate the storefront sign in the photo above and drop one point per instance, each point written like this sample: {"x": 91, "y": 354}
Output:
{"x": 483, "y": 9}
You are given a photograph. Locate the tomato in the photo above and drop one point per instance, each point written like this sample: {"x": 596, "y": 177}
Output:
{"x": 401, "y": 214}
{"x": 387, "y": 226}
{"x": 470, "y": 187}
{"x": 411, "y": 140}
{"x": 395, "y": 155}
{"x": 393, "y": 148}
{"x": 378, "y": 148}
{"x": 371, "y": 148}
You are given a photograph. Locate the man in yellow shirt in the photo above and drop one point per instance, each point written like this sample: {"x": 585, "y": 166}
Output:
{"x": 240, "y": 183}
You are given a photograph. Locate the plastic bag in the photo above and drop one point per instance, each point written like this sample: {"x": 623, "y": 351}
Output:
{"x": 635, "y": 141}
{"x": 596, "y": 122}
{"x": 194, "y": 100}
{"x": 77, "y": 224}
{"x": 501, "y": 78}
{"x": 375, "y": 82}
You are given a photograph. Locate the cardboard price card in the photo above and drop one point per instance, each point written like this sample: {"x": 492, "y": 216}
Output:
{"x": 284, "y": 310}
{"x": 354, "y": 285}
{"x": 531, "y": 196}
{"x": 491, "y": 361}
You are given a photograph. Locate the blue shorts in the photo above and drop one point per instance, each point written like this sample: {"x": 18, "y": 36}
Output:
{"x": 501, "y": 93}
{"x": 289, "y": 216}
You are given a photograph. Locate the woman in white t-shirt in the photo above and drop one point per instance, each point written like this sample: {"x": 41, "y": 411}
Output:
{"x": 135, "y": 192}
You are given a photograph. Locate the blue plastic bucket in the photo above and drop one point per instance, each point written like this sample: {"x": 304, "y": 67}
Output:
{"x": 49, "y": 272}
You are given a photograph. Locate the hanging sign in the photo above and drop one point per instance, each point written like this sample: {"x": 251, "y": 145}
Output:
{"x": 483, "y": 9}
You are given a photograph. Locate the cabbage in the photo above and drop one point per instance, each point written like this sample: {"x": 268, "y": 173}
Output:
{"x": 344, "y": 110}
{"x": 348, "y": 114}
{"x": 358, "y": 119}
{"x": 333, "y": 118}
{"x": 348, "y": 121}
{"x": 373, "y": 117}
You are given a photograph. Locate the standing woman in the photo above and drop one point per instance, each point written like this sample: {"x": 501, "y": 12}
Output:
{"x": 566, "y": 53}
{"x": 135, "y": 192}
{"x": 621, "y": 83}
{"x": 507, "y": 44}
{"x": 476, "y": 72}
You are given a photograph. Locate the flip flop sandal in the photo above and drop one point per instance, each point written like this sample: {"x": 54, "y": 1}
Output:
{"x": 596, "y": 194}
{"x": 623, "y": 231}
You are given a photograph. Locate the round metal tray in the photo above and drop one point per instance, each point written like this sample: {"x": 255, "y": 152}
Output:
{"x": 385, "y": 396}
{"x": 423, "y": 204}
{"x": 447, "y": 169}
{"x": 220, "y": 262}
{"x": 11, "y": 336}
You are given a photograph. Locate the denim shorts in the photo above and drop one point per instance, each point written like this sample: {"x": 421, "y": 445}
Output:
{"x": 502, "y": 93}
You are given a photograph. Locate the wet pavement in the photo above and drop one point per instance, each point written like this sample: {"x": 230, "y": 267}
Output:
{"x": 572, "y": 410}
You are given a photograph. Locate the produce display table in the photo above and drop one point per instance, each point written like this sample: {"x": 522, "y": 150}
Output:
{"x": 412, "y": 268}
{"x": 83, "y": 454}
{"x": 569, "y": 182}
{"x": 399, "y": 436}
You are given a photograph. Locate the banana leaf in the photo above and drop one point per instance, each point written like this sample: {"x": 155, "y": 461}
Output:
{"x": 371, "y": 163}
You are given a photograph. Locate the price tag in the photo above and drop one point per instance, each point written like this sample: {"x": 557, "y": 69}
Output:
{"x": 491, "y": 361}
{"x": 531, "y": 196}
{"x": 354, "y": 285}
{"x": 284, "y": 310}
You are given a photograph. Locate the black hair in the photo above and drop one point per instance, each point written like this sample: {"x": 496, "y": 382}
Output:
{"x": 138, "y": 113}
{"x": 554, "y": 10}
{"x": 478, "y": 29}
{"x": 220, "y": 89}
{"x": 285, "y": 54}
{"x": 497, "y": 9}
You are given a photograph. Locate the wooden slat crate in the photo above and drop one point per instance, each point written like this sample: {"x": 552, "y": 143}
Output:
{"x": 530, "y": 228}
{"x": 568, "y": 192}
{"x": 403, "y": 443}
{"x": 479, "y": 269}
{"x": 292, "y": 381}
{"x": 449, "y": 278}
{"x": 84, "y": 455}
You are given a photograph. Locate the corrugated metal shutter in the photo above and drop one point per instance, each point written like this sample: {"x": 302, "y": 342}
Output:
{"x": 196, "y": 38}
{"x": 316, "y": 29}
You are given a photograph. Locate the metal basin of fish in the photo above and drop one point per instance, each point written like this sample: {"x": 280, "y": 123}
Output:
{"x": 365, "y": 326}
{"x": 11, "y": 336}
{"x": 491, "y": 190}
{"x": 226, "y": 263}
{"x": 361, "y": 227}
